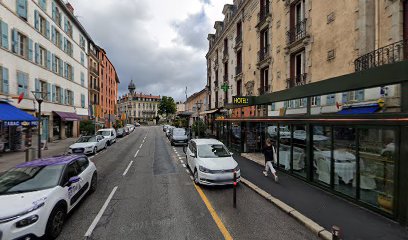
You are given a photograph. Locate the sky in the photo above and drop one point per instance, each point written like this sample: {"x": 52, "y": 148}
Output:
{"x": 160, "y": 44}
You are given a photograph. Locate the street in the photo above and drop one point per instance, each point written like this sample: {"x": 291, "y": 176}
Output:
{"x": 145, "y": 192}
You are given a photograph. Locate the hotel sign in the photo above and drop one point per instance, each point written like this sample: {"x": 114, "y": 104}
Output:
{"x": 242, "y": 100}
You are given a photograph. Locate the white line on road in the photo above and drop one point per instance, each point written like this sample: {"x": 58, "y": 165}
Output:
{"x": 187, "y": 171}
{"x": 184, "y": 165}
{"x": 191, "y": 178}
{"x": 181, "y": 161}
{"x": 100, "y": 213}
{"x": 180, "y": 158}
{"x": 141, "y": 145}
{"x": 136, "y": 153}
{"x": 127, "y": 169}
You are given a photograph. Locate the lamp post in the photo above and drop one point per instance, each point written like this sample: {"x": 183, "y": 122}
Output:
{"x": 39, "y": 98}
{"x": 198, "y": 105}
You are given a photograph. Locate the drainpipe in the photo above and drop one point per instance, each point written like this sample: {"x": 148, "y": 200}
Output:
{"x": 377, "y": 24}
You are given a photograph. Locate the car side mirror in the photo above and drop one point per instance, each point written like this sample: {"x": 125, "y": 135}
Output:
{"x": 192, "y": 155}
{"x": 73, "y": 180}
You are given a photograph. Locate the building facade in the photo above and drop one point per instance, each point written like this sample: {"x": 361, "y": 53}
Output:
{"x": 108, "y": 94}
{"x": 324, "y": 80}
{"x": 138, "y": 107}
{"x": 196, "y": 104}
{"x": 94, "y": 84}
{"x": 43, "y": 48}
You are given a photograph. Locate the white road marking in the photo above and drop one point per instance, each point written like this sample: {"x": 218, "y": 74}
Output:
{"x": 141, "y": 145}
{"x": 127, "y": 169}
{"x": 100, "y": 213}
{"x": 191, "y": 178}
{"x": 187, "y": 171}
{"x": 184, "y": 165}
{"x": 136, "y": 153}
{"x": 181, "y": 161}
{"x": 180, "y": 158}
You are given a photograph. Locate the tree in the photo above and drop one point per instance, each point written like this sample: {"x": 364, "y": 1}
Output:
{"x": 199, "y": 128}
{"x": 87, "y": 127}
{"x": 167, "y": 106}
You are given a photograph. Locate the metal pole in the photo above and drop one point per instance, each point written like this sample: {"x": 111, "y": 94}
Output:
{"x": 235, "y": 190}
{"x": 39, "y": 129}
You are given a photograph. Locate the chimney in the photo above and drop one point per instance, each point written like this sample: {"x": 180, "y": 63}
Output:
{"x": 70, "y": 7}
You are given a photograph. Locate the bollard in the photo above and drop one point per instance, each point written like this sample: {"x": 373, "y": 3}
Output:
{"x": 235, "y": 190}
{"x": 336, "y": 233}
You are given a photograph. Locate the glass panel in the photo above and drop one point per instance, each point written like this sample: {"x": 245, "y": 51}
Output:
{"x": 284, "y": 147}
{"x": 253, "y": 138}
{"x": 344, "y": 160}
{"x": 235, "y": 136}
{"x": 299, "y": 150}
{"x": 322, "y": 154}
{"x": 377, "y": 158}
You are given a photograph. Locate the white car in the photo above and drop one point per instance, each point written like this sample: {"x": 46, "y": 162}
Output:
{"x": 131, "y": 127}
{"x": 89, "y": 145}
{"x": 35, "y": 197}
{"x": 108, "y": 133}
{"x": 211, "y": 162}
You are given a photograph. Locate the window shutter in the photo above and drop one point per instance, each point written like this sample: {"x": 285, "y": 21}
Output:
{"x": 48, "y": 63}
{"x": 14, "y": 40}
{"x": 360, "y": 95}
{"x": 61, "y": 41}
{"x": 65, "y": 45}
{"x": 5, "y": 80}
{"x": 25, "y": 84}
{"x": 66, "y": 96}
{"x": 318, "y": 100}
{"x": 344, "y": 97}
{"x": 37, "y": 85}
{"x": 4, "y": 35}
{"x": 82, "y": 79}
{"x": 36, "y": 20}
{"x": 72, "y": 73}
{"x": 61, "y": 67}
{"x": 65, "y": 70}
{"x": 54, "y": 16}
{"x": 82, "y": 58}
{"x": 53, "y": 39}
{"x": 43, "y": 4}
{"x": 22, "y": 8}
{"x": 72, "y": 98}
{"x": 65, "y": 24}
{"x": 49, "y": 92}
{"x": 54, "y": 93}
{"x": 36, "y": 53}
{"x": 47, "y": 29}
{"x": 20, "y": 83}
{"x": 53, "y": 63}
{"x": 62, "y": 97}
{"x": 30, "y": 49}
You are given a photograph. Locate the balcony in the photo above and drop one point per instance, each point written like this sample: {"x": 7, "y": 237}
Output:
{"x": 263, "y": 54}
{"x": 296, "y": 81}
{"x": 94, "y": 71}
{"x": 263, "y": 17}
{"x": 238, "y": 42}
{"x": 389, "y": 54}
{"x": 95, "y": 88}
{"x": 297, "y": 33}
{"x": 238, "y": 69}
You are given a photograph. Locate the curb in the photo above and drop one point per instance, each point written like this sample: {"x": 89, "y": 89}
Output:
{"x": 310, "y": 224}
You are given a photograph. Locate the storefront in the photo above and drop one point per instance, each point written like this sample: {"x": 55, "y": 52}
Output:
{"x": 15, "y": 128}
{"x": 65, "y": 125}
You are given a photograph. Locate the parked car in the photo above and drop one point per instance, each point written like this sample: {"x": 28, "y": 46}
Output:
{"x": 131, "y": 127}
{"x": 35, "y": 197}
{"x": 137, "y": 124}
{"x": 168, "y": 131}
{"x": 165, "y": 127}
{"x": 211, "y": 162}
{"x": 89, "y": 144}
{"x": 126, "y": 129}
{"x": 108, "y": 133}
{"x": 120, "y": 132}
{"x": 179, "y": 137}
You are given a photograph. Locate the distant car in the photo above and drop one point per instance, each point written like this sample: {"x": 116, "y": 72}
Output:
{"x": 36, "y": 196}
{"x": 108, "y": 133}
{"x": 89, "y": 145}
{"x": 137, "y": 124}
{"x": 131, "y": 127}
{"x": 126, "y": 129}
{"x": 120, "y": 132}
{"x": 168, "y": 131}
{"x": 211, "y": 162}
{"x": 165, "y": 127}
{"x": 179, "y": 137}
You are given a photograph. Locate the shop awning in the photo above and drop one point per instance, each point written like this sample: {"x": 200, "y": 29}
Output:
{"x": 68, "y": 116}
{"x": 362, "y": 109}
{"x": 209, "y": 111}
{"x": 12, "y": 116}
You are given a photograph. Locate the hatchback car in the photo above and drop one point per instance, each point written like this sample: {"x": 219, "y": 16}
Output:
{"x": 108, "y": 133}
{"x": 178, "y": 137}
{"x": 89, "y": 145}
{"x": 35, "y": 197}
{"x": 211, "y": 162}
{"x": 120, "y": 132}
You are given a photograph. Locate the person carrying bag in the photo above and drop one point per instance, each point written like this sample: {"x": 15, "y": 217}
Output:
{"x": 270, "y": 155}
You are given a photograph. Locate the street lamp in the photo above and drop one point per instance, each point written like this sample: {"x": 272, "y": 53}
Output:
{"x": 198, "y": 105}
{"x": 39, "y": 98}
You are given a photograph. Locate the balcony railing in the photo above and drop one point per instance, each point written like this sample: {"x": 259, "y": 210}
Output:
{"x": 96, "y": 88}
{"x": 263, "y": 90}
{"x": 263, "y": 53}
{"x": 297, "y": 32}
{"x": 238, "y": 39}
{"x": 94, "y": 70}
{"x": 296, "y": 81}
{"x": 238, "y": 69}
{"x": 389, "y": 54}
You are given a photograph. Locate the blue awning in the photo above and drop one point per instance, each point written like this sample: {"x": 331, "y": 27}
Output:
{"x": 13, "y": 116}
{"x": 364, "y": 109}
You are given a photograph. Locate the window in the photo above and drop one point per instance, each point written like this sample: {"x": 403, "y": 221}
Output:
{"x": 331, "y": 99}
{"x": 22, "y": 9}
{"x": 69, "y": 72}
{"x": 67, "y": 27}
{"x": 58, "y": 95}
{"x": 56, "y": 37}
{"x": 69, "y": 97}
{"x": 22, "y": 83}
{"x": 82, "y": 79}
{"x": 40, "y": 55}
{"x": 82, "y": 58}
{"x": 22, "y": 45}
{"x": 43, "y": 4}
{"x": 82, "y": 100}
{"x": 315, "y": 101}
{"x": 4, "y": 80}
{"x": 56, "y": 65}
{"x": 82, "y": 42}
{"x": 68, "y": 47}
{"x": 41, "y": 25}
{"x": 4, "y": 35}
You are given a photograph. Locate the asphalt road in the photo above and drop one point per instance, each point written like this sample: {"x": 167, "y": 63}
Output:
{"x": 145, "y": 192}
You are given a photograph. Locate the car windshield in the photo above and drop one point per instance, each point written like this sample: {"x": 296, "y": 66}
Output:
{"x": 104, "y": 133}
{"x": 28, "y": 179}
{"x": 212, "y": 151}
{"x": 179, "y": 132}
{"x": 92, "y": 139}
{"x": 120, "y": 130}
{"x": 83, "y": 139}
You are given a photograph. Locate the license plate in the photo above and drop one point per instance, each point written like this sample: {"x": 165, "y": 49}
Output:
{"x": 78, "y": 151}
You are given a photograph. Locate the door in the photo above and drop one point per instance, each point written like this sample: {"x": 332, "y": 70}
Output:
{"x": 85, "y": 174}
{"x": 72, "y": 170}
{"x": 45, "y": 128}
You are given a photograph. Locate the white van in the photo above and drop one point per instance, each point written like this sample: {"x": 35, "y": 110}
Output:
{"x": 109, "y": 133}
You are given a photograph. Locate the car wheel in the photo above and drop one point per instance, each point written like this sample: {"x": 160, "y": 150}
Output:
{"x": 196, "y": 181}
{"x": 109, "y": 143}
{"x": 95, "y": 150}
{"x": 94, "y": 183}
{"x": 106, "y": 146}
{"x": 55, "y": 222}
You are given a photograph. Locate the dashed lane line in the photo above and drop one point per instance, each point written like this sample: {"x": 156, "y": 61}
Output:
{"x": 127, "y": 169}
{"x": 184, "y": 165}
{"x": 136, "y": 153}
{"x": 181, "y": 161}
{"x": 187, "y": 171}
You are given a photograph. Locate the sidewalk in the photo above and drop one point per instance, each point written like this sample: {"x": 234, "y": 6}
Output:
{"x": 10, "y": 159}
{"x": 322, "y": 207}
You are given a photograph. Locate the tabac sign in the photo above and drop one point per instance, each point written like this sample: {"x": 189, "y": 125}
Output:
{"x": 243, "y": 100}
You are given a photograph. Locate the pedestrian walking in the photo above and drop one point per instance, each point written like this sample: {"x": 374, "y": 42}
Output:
{"x": 270, "y": 155}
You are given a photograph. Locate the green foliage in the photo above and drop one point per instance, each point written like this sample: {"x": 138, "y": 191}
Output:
{"x": 180, "y": 123}
{"x": 87, "y": 127}
{"x": 199, "y": 128}
{"x": 167, "y": 106}
{"x": 118, "y": 124}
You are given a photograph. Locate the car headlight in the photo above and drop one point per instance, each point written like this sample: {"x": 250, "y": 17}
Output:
{"x": 236, "y": 169}
{"x": 27, "y": 221}
{"x": 89, "y": 147}
{"x": 203, "y": 169}
{"x": 36, "y": 205}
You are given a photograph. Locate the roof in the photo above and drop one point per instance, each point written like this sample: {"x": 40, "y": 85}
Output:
{"x": 56, "y": 160}
{"x": 205, "y": 141}
{"x": 196, "y": 94}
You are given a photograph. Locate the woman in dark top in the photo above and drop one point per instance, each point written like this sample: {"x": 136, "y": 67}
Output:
{"x": 270, "y": 155}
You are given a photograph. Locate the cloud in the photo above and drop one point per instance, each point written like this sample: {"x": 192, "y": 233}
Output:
{"x": 160, "y": 44}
